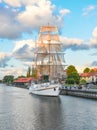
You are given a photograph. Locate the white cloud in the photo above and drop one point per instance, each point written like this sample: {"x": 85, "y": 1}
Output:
{"x": 4, "y": 58}
{"x": 12, "y": 71}
{"x": 20, "y": 44}
{"x": 64, "y": 12}
{"x": 24, "y": 50}
{"x": 28, "y": 16}
{"x": 71, "y": 40}
{"x": 95, "y": 32}
{"x": 9, "y": 27}
{"x": 89, "y": 9}
{"x": 93, "y": 40}
{"x": 18, "y": 3}
{"x": 36, "y": 15}
{"x": 28, "y": 63}
{"x": 74, "y": 43}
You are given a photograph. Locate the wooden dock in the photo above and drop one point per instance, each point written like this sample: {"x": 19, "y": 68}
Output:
{"x": 79, "y": 93}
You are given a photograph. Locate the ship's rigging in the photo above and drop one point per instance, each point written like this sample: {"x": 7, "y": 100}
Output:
{"x": 49, "y": 56}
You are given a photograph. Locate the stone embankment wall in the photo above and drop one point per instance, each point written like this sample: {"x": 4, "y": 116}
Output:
{"x": 80, "y": 93}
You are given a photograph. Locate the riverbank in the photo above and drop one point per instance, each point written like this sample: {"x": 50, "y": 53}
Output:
{"x": 87, "y": 93}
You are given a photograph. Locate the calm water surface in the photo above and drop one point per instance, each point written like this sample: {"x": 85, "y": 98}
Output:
{"x": 20, "y": 110}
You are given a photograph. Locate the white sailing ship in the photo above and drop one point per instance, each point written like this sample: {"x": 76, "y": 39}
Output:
{"x": 49, "y": 62}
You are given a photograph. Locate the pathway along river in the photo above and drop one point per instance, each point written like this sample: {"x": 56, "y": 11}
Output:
{"x": 20, "y": 110}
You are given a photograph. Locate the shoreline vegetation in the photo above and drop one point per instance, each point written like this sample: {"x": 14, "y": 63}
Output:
{"x": 87, "y": 79}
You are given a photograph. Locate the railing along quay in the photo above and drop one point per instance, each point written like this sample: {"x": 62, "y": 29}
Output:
{"x": 79, "y": 93}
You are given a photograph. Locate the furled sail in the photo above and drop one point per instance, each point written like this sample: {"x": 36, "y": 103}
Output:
{"x": 48, "y": 28}
{"x": 49, "y": 56}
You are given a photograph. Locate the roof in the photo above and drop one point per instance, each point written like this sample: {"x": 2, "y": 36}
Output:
{"x": 95, "y": 69}
{"x": 88, "y": 74}
{"x": 94, "y": 73}
{"x": 23, "y": 80}
{"x": 85, "y": 75}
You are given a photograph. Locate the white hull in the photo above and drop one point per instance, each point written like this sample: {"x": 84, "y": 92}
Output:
{"x": 51, "y": 90}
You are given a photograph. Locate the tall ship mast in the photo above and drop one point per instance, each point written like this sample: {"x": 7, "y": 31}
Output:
{"x": 50, "y": 60}
{"x": 49, "y": 63}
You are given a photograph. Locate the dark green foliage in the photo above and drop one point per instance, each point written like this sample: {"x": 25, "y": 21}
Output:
{"x": 73, "y": 78}
{"x": 83, "y": 81}
{"x": 72, "y": 75}
{"x": 70, "y": 81}
{"x": 0, "y": 81}
{"x": 8, "y": 79}
{"x": 92, "y": 71}
{"x": 86, "y": 70}
{"x": 29, "y": 72}
{"x": 22, "y": 76}
{"x": 71, "y": 69}
{"x": 33, "y": 72}
{"x": 45, "y": 78}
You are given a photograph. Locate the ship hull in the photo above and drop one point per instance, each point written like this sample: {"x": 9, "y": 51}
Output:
{"x": 52, "y": 90}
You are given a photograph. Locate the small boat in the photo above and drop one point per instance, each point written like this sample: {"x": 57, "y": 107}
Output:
{"x": 49, "y": 62}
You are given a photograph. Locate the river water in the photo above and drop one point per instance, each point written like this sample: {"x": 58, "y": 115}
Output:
{"x": 20, "y": 110}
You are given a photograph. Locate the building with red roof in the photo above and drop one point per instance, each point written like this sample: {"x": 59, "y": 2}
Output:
{"x": 95, "y": 69}
{"x": 90, "y": 77}
{"x": 23, "y": 82}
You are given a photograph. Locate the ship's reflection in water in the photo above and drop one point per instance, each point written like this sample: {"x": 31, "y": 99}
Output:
{"x": 20, "y": 110}
{"x": 49, "y": 112}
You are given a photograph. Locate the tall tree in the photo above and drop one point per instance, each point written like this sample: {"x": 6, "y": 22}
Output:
{"x": 72, "y": 75}
{"x": 73, "y": 78}
{"x": 70, "y": 81}
{"x": 29, "y": 72}
{"x": 33, "y": 72}
{"x": 86, "y": 70}
{"x": 71, "y": 69}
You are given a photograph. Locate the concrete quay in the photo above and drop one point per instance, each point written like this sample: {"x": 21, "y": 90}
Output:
{"x": 87, "y": 93}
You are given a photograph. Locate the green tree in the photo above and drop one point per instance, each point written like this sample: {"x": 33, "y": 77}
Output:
{"x": 21, "y": 76}
{"x": 8, "y": 79}
{"x": 0, "y": 81}
{"x": 72, "y": 75}
{"x": 33, "y": 72}
{"x": 92, "y": 70}
{"x": 71, "y": 69}
{"x": 86, "y": 70}
{"x": 29, "y": 72}
{"x": 82, "y": 81}
{"x": 70, "y": 81}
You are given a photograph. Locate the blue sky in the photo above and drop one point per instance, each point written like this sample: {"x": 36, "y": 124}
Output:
{"x": 21, "y": 19}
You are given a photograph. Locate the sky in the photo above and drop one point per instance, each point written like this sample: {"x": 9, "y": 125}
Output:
{"x": 19, "y": 26}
